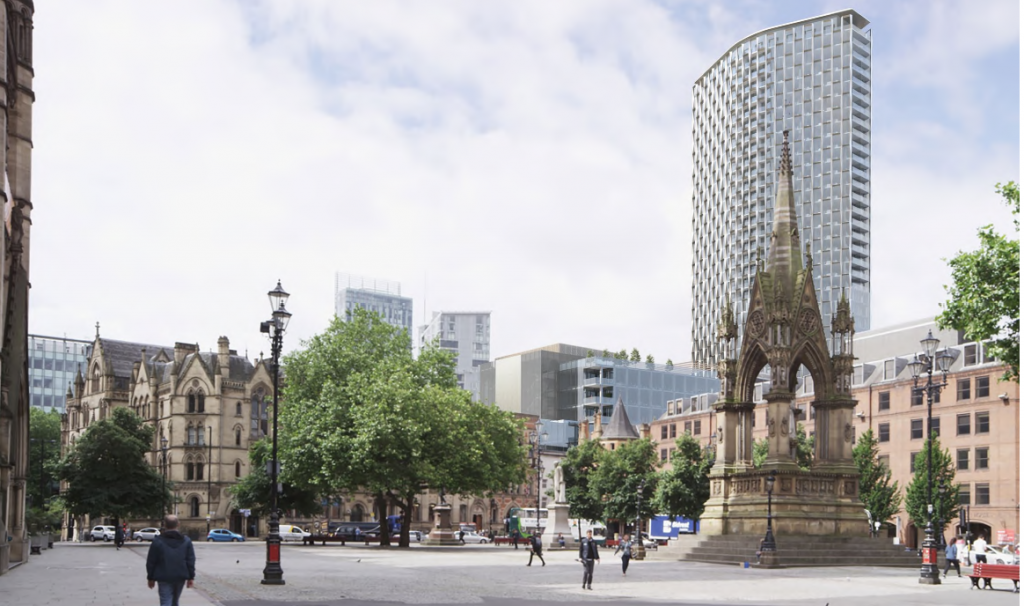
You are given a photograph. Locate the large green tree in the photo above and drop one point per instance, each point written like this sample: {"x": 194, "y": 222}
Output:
{"x": 984, "y": 298}
{"x": 363, "y": 414}
{"x": 881, "y": 496}
{"x": 804, "y": 449}
{"x": 43, "y": 456}
{"x": 683, "y": 490}
{"x": 578, "y": 466}
{"x": 107, "y": 473}
{"x": 619, "y": 474}
{"x": 943, "y": 472}
{"x": 253, "y": 491}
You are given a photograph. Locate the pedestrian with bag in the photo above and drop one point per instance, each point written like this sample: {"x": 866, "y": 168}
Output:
{"x": 589, "y": 555}
{"x": 536, "y": 549}
{"x": 626, "y": 547}
{"x": 171, "y": 563}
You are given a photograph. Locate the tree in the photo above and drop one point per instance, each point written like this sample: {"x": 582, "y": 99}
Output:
{"x": 107, "y": 473}
{"x": 669, "y": 365}
{"x": 943, "y": 472}
{"x": 606, "y": 354}
{"x": 650, "y": 359}
{"x": 984, "y": 299}
{"x": 622, "y": 355}
{"x": 618, "y": 476}
{"x": 362, "y": 414}
{"x": 634, "y": 356}
{"x": 590, "y": 353}
{"x": 253, "y": 491}
{"x": 881, "y": 496}
{"x": 760, "y": 452}
{"x": 683, "y": 490}
{"x": 804, "y": 449}
{"x": 578, "y": 467}
{"x": 43, "y": 457}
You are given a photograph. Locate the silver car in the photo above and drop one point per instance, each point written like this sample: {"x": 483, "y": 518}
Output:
{"x": 146, "y": 534}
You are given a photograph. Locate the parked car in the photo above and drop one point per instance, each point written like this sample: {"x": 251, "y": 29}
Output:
{"x": 472, "y": 537}
{"x": 415, "y": 536}
{"x": 102, "y": 533}
{"x": 146, "y": 534}
{"x": 291, "y": 533}
{"x": 649, "y": 543}
{"x": 995, "y": 556}
{"x": 223, "y": 534}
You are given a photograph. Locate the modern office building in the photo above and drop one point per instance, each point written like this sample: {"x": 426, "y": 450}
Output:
{"x": 812, "y": 78}
{"x": 52, "y": 364}
{"x": 381, "y": 296}
{"x": 467, "y": 334}
{"x": 571, "y": 383}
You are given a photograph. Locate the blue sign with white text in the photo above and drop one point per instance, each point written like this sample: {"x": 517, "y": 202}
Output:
{"x": 664, "y": 527}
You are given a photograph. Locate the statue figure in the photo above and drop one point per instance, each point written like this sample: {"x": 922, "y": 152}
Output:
{"x": 559, "y": 484}
{"x": 441, "y": 495}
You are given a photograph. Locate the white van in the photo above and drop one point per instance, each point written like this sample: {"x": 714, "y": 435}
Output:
{"x": 291, "y": 533}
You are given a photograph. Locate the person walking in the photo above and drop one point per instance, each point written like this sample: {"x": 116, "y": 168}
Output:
{"x": 978, "y": 549}
{"x": 515, "y": 539}
{"x": 952, "y": 558}
{"x": 462, "y": 537}
{"x": 626, "y": 547}
{"x": 118, "y": 536}
{"x": 171, "y": 562}
{"x": 536, "y": 549}
{"x": 589, "y": 555}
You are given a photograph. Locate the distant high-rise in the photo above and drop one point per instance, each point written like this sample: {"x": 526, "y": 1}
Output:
{"x": 53, "y": 362}
{"x": 813, "y": 78}
{"x": 467, "y": 334}
{"x": 381, "y": 296}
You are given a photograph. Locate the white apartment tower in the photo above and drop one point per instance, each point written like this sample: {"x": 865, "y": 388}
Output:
{"x": 812, "y": 78}
{"x": 467, "y": 334}
{"x": 381, "y": 296}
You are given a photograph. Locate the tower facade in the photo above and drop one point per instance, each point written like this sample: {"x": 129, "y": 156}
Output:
{"x": 380, "y": 296}
{"x": 813, "y": 78}
{"x": 467, "y": 335}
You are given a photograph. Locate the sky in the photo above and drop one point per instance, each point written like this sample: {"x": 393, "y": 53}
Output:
{"x": 528, "y": 158}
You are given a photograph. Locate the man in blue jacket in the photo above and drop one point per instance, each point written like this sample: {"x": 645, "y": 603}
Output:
{"x": 589, "y": 555}
{"x": 171, "y": 563}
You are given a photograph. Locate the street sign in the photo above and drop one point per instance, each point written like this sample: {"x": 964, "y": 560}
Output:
{"x": 1006, "y": 535}
{"x": 245, "y": 512}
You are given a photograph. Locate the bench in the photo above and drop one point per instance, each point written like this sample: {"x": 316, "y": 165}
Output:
{"x": 987, "y": 572}
{"x": 324, "y": 539}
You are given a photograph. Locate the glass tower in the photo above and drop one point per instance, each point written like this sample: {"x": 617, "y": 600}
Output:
{"x": 380, "y": 296}
{"x": 813, "y": 78}
{"x": 52, "y": 365}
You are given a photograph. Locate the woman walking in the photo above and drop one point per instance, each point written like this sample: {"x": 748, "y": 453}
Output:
{"x": 626, "y": 546}
{"x": 952, "y": 558}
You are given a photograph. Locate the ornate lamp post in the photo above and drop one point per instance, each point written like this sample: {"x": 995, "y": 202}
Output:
{"x": 769, "y": 537}
{"x": 209, "y": 480}
{"x": 942, "y": 522}
{"x": 537, "y": 437}
{"x": 926, "y": 363}
{"x": 639, "y": 538}
{"x": 273, "y": 574}
{"x": 163, "y": 451}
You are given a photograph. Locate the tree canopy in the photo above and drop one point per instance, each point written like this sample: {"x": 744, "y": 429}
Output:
{"x": 253, "y": 491}
{"x": 943, "y": 472}
{"x": 984, "y": 298}
{"x": 363, "y": 414}
{"x": 881, "y": 496}
{"x": 683, "y": 489}
{"x": 618, "y": 475}
{"x": 107, "y": 473}
{"x": 578, "y": 466}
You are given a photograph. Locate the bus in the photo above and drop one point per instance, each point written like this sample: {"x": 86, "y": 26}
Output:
{"x": 579, "y": 529}
{"x": 524, "y": 520}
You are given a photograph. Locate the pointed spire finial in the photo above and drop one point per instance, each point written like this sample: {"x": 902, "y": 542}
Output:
{"x": 97, "y": 330}
{"x": 807, "y": 252}
{"x": 786, "y": 165}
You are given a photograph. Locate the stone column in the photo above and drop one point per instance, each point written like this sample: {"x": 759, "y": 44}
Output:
{"x": 834, "y": 435}
{"x": 441, "y": 533}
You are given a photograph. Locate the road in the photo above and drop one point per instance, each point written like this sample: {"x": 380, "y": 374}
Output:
{"x": 229, "y": 575}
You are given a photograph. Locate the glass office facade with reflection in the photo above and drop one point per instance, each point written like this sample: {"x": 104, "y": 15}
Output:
{"x": 52, "y": 365}
{"x": 813, "y": 78}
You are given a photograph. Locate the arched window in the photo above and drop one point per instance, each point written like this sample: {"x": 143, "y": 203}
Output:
{"x": 191, "y": 403}
{"x": 193, "y": 507}
{"x": 190, "y": 470}
{"x": 201, "y": 402}
{"x": 258, "y": 415}
{"x": 357, "y": 513}
{"x": 191, "y": 435}
{"x": 95, "y": 379}
{"x": 238, "y": 469}
{"x": 201, "y": 435}
{"x": 199, "y": 471}
{"x": 238, "y": 409}
{"x": 238, "y": 437}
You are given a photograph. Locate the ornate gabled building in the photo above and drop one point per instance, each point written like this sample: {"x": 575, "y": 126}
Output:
{"x": 784, "y": 331}
{"x": 16, "y": 99}
{"x": 206, "y": 408}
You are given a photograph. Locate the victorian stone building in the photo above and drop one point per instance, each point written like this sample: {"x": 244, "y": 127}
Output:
{"x": 16, "y": 99}
{"x": 206, "y": 408}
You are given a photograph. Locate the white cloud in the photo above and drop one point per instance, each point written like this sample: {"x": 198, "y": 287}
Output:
{"x": 531, "y": 158}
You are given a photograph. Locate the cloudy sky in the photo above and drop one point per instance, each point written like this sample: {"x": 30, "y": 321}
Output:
{"x": 528, "y": 158}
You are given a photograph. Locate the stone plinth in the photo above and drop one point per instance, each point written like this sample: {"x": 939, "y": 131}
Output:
{"x": 441, "y": 533}
{"x": 560, "y": 511}
{"x": 803, "y": 503}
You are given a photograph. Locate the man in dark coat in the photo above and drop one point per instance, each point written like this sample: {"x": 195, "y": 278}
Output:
{"x": 589, "y": 555}
{"x": 171, "y": 562}
{"x": 536, "y": 549}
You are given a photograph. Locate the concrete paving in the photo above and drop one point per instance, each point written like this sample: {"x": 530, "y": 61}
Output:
{"x": 229, "y": 575}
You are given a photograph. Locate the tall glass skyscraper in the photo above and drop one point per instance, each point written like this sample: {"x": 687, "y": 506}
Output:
{"x": 813, "y": 78}
{"x": 53, "y": 363}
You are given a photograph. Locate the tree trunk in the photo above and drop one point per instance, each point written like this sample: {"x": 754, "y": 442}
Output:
{"x": 381, "y": 504}
{"x": 406, "y": 507}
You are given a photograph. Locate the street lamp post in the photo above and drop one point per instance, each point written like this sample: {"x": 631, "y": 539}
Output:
{"x": 638, "y": 539}
{"x": 209, "y": 480}
{"x": 273, "y": 574}
{"x": 536, "y": 439}
{"x": 927, "y": 362}
{"x": 163, "y": 467}
{"x": 942, "y": 522}
{"x": 769, "y": 537}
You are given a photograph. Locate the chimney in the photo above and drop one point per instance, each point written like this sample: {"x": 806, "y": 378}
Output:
{"x": 180, "y": 351}
{"x": 645, "y": 430}
{"x": 598, "y": 432}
